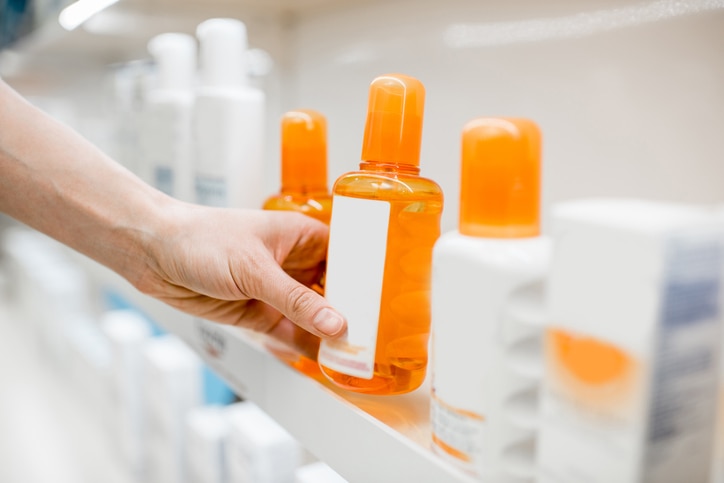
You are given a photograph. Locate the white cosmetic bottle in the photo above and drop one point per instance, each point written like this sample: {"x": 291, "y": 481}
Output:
{"x": 172, "y": 388}
{"x": 166, "y": 139}
{"x": 127, "y": 333}
{"x": 228, "y": 122}
{"x": 258, "y": 449}
{"x": 207, "y": 431}
{"x": 487, "y": 306}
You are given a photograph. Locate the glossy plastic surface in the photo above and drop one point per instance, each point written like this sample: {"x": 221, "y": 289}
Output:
{"x": 404, "y": 319}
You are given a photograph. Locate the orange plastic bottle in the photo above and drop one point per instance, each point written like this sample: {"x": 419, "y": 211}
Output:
{"x": 304, "y": 189}
{"x": 385, "y": 221}
{"x": 304, "y": 166}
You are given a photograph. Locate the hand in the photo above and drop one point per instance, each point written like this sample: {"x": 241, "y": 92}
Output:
{"x": 248, "y": 268}
{"x": 242, "y": 267}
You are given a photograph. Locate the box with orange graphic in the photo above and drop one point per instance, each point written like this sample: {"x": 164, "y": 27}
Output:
{"x": 632, "y": 345}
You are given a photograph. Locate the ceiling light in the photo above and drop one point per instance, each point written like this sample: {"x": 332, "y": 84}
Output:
{"x": 76, "y": 13}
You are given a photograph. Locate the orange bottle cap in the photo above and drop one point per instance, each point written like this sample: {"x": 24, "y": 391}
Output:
{"x": 500, "y": 178}
{"x": 393, "y": 131}
{"x": 304, "y": 152}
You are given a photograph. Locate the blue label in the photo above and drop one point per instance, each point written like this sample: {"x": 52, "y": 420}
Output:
{"x": 684, "y": 393}
{"x": 211, "y": 191}
{"x": 163, "y": 179}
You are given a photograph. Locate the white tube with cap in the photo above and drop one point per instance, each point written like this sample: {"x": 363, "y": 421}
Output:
{"x": 228, "y": 122}
{"x": 166, "y": 140}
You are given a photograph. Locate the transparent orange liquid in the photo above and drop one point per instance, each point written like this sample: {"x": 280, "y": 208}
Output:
{"x": 304, "y": 344}
{"x": 316, "y": 205}
{"x": 404, "y": 319}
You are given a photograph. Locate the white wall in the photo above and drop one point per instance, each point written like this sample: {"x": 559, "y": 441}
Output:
{"x": 629, "y": 95}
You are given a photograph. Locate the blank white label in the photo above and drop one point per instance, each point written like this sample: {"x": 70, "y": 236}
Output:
{"x": 355, "y": 269}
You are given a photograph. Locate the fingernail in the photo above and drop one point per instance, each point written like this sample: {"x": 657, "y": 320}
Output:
{"x": 329, "y": 322}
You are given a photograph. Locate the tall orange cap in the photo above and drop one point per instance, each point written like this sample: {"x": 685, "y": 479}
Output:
{"x": 304, "y": 151}
{"x": 500, "y": 178}
{"x": 393, "y": 132}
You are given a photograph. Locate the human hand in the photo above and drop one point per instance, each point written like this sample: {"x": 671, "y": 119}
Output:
{"x": 242, "y": 267}
{"x": 249, "y": 268}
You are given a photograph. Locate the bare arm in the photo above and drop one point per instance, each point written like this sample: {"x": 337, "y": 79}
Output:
{"x": 241, "y": 267}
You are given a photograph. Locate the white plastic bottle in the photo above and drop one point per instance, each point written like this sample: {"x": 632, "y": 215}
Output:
{"x": 166, "y": 137}
{"x": 127, "y": 333}
{"x": 207, "y": 431}
{"x": 258, "y": 449}
{"x": 129, "y": 90}
{"x": 228, "y": 122}
{"x": 172, "y": 387}
{"x": 487, "y": 307}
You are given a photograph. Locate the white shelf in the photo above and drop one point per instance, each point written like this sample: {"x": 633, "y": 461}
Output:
{"x": 364, "y": 438}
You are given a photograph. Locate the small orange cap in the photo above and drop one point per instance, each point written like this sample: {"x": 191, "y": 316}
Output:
{"x": 304, "y": 152}
{"x": 393, "y": 131}
{"x": 500, "y": 178}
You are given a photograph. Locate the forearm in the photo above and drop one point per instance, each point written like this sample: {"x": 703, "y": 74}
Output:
{"x": 58, "y": 183}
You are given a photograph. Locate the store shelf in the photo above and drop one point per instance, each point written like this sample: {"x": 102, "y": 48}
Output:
{"x": 364, "y": 438}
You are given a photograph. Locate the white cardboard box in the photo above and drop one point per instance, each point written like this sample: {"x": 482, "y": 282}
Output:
{"x": 632, "y": 344}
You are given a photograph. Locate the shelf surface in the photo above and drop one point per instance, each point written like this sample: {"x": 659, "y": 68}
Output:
{"x": 364, "y": 438}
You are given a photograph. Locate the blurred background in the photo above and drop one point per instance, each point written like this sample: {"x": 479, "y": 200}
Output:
{"x": 629, "y": 96}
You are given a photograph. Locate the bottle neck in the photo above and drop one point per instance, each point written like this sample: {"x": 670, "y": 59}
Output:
{"x": 382, "y": 167}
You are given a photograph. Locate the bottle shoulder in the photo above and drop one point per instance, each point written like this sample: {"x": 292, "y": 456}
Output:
{"x": 318, "y": 206}
{"x": 524, "y": 253}
{"x": 386, "y": 185}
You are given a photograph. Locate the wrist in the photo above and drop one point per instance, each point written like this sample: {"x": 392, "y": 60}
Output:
{"x": 146, "y": 238}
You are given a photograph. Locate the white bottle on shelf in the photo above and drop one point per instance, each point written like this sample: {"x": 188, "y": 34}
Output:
{"x": 166, "y": 137}
{"x": 487, "y": 306}
{"x": 228, "y": 121}
{"x": 128, "y": 91}
{"x": 172, "y": 387}
{"x": 127, "y": 333}
{"x": 207, "y": 431}
{"x": 258, "y": 448}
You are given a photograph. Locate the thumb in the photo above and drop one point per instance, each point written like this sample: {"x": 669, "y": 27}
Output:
{"x": 300, "y": 304}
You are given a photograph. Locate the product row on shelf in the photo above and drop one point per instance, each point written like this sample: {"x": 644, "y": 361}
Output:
{"x": 167, "y": 414}
{"x": 588, "y": 353}
{"x": 184, "y": 119}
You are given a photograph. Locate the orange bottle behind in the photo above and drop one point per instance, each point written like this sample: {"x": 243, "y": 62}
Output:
{"x": 385, "y": 221}
{"x": 304, "y": 166}
{"x": 304, "y": 189}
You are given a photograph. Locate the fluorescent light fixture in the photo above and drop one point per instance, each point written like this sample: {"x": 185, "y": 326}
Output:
{"x": 76, "y": 13}
{"x": 572, "y": 26}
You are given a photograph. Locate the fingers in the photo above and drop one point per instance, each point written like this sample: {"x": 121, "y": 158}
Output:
{"x": 297, "y": 241}
{"x": 298, "y": 303}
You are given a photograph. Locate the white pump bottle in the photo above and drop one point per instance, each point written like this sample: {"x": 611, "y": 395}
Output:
{"x": 166, "y": 139}
{"x": 228, "y": 124}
